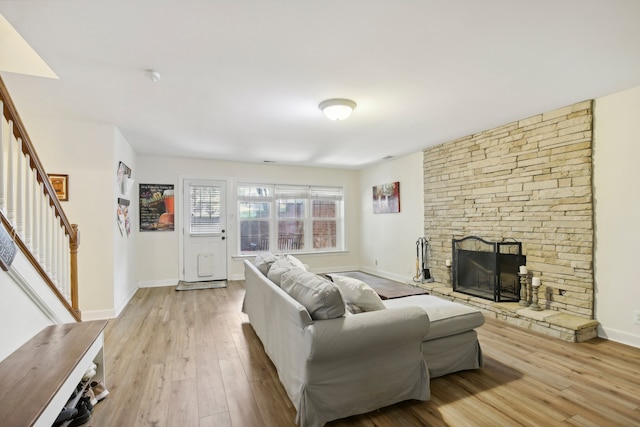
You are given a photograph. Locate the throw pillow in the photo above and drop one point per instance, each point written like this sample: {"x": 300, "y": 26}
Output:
{"x": 351, "y": 308}
{"x": 264, "y": 261}
{"x": 319, "y": 296}
{"x": 357, "y": 292}
{"x": 279, "y": 266}
{"x": 295, "y": 261}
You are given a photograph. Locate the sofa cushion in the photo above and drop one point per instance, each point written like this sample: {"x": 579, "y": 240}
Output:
{"x": 446, "y": 317}
{"x": 319, "y": 296}
{"x": 358, "y": 293}
{"x": 279, "y": 266}
{"x": 264, "y": 260}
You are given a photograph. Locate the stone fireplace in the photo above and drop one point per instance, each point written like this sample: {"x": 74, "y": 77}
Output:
{"x": 530, "y": 180}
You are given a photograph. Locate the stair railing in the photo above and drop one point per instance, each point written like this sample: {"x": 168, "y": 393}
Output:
{"x": 31, "y": 212}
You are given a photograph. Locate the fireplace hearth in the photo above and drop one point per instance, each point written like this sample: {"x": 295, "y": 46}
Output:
{"x": 486, "y": 269}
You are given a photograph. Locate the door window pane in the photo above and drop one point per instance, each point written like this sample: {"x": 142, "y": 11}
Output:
{"x": 204, "y": 209}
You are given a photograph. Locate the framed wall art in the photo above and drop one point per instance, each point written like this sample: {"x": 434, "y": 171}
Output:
{"x": 60, "y": 184}
{"x": 386, "y": 198}
{"x": 124, "y": 179}
{"x": 156, "y": 207}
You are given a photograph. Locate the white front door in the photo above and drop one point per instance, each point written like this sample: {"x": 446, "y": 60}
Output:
{"x": 205, "y": 244}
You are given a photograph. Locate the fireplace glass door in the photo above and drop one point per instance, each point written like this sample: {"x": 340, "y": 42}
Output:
{"x": 487, "y": 270}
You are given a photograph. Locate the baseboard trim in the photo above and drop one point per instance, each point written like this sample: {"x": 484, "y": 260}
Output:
{"x": 157, "y": 283}
{"x": 336, "y": 269}
{"x": 619, "y": 336}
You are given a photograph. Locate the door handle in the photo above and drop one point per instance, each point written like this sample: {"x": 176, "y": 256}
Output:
{"x": 222, "y": 231}
{"x": 223, "y": 237}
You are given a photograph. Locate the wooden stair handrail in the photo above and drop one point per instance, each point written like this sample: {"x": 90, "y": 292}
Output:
{"x": 11, "y": 114}
{"x": 19, "y": 131}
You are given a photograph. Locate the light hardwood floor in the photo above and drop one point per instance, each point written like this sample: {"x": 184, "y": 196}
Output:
{"x": 190, "y": 358}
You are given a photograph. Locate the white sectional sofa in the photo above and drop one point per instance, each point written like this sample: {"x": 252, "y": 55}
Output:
{"x": 451, "y": 345}
{"x": 334, "y": 364}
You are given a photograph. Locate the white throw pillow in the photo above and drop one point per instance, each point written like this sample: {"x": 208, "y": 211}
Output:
{"x": 319, "y": 296}
{"x": 280, "y": 266}
{"x": 296, "y": 262}
{"x": 264, "y": 261}
{"x": 357, "y": 292}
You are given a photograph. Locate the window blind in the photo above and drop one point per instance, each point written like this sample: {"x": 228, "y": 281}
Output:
{"x": 292, "y": 192}
{"x": 326, "y": 193}
{"x": 204, "y": 209}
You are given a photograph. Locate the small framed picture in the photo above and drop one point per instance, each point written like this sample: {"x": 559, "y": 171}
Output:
{"x": 386, "y": 198}
{"x": 60, "y": 184}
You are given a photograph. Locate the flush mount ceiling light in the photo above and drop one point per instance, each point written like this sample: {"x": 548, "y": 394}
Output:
{"x": 337, "y": 108}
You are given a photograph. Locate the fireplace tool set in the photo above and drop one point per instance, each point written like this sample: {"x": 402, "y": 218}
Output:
{"x": 422, "y": 253}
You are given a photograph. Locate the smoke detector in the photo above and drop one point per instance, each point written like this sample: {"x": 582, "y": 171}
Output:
{"x": 153, "y": 75}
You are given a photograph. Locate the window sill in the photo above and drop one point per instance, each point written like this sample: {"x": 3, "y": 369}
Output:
{"x": 312, "y": 253}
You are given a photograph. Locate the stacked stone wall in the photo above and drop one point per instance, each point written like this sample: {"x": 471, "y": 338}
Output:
{"x": 531, "y": 181}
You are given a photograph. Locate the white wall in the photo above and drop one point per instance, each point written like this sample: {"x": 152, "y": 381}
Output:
{"x": 85, "y": 151}
{"x": 390, "y": 239}
{"x": 158, "y": 253}
{"x": 617, "y": 215}
{"x": 20, "y": 319}
{"x": 124, "y": 284}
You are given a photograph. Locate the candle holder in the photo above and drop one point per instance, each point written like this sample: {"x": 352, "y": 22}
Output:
{"x": 535, "y": 284}
{"x": 449, "y": 280}
{"x": 524, "y": 282}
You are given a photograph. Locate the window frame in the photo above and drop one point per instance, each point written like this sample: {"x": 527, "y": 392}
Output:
{"x": 304, "y": 194}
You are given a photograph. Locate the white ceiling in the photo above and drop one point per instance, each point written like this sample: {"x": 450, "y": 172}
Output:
{"x": 242, "y": 80}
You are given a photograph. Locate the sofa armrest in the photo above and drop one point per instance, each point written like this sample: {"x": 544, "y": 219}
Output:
{"x": 366, "y": 332}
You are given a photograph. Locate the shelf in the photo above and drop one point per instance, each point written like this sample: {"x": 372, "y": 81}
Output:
{"x": 37, "y": 379}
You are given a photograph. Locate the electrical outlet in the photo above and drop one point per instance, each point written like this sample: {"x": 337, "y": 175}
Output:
{"x": 636, "y": 317}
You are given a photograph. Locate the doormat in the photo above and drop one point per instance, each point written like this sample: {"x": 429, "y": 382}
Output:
{"x": 191, "y": 286}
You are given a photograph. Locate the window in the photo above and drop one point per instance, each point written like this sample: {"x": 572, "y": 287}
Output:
{"x": 291, "y": 206}
{"x": 254, "y": 214}
{"x": 325, "y": 205}
{"x": 289, "y": 218}
{"x": 205, "y": 209}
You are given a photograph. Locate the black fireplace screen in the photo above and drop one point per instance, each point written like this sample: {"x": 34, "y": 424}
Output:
{"x": 487, "y": 270}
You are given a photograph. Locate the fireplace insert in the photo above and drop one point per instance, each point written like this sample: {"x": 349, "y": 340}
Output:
{"x": 487, "y": 270}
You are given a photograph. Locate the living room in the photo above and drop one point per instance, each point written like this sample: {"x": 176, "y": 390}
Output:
{"x": 114, "y": 266}
{"x": 615, "y": 123}
{"x": 381, "y": 244}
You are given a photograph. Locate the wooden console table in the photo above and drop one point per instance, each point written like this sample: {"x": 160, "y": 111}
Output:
{"x": 386, "y": 288}
{"x": 37, "y": 379}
